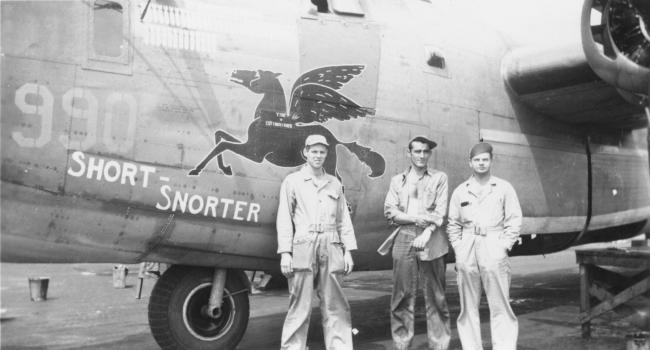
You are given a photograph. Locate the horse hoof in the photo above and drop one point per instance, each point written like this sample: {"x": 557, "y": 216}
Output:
{"x": 194, "y": 172}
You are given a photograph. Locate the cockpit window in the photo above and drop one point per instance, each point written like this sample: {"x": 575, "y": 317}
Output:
{"x": 107, "y": 28}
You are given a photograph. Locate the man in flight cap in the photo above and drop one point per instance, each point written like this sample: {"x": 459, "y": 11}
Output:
{"x": 484, "y": 223}
{"x": 417, "y": 204}
{"x": 315, "y": 237}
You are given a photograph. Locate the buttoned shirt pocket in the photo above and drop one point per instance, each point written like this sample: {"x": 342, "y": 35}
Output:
{"x": 303, "y": 253}
{"x": 466, "y": 211}
{"x": 331, "y": 201}
{"x": 430, "y": 199}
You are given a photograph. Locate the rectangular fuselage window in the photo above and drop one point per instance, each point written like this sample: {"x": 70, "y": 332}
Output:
{"x": 435, "y": 61}
{"x": 108, "y": 38}
{"x": 107, "y": 28}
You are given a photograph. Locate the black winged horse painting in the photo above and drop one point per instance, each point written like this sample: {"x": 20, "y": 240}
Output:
{"x": 278, "y": 135}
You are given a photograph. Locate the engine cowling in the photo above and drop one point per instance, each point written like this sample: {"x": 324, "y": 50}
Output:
{"x": 618, "y": 49}
{"x": 559, "y": 83}
{"x": 605, "y": 82}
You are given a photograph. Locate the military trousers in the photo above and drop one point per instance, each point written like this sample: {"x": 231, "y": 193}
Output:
{"x": 482, "y": 262}
{"x": 323, "y": 275}
{"x": 407, "y": 270}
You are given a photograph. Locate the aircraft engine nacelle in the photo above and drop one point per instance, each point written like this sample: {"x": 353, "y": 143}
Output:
{"x": 606, "y": 81}
{"x": 618, "y": 48}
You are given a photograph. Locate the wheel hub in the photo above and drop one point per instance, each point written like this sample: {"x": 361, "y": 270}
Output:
{"x": 197, "y": 318}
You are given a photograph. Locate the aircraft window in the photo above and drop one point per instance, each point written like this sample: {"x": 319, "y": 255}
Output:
{"x": 107, "y": 28}
{"x": 436, "y": 61}
{"x": 108, "y": 34}
{"x": 348, "y": 7}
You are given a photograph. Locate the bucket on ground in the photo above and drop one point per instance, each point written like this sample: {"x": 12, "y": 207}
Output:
{"x": 638, "y": 341}
{"x": 119, "y": 276}
{"x": 38, "y": 288}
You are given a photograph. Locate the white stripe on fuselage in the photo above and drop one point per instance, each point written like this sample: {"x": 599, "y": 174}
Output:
{"x": 562, "y": 224}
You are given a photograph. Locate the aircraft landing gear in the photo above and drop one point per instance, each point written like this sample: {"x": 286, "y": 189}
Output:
{"x": 216, "y": 293}
{"x": 179, "y": 314}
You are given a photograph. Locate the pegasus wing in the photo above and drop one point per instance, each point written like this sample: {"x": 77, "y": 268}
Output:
{"x": 319, "y": 103}
{"x": 333, "y": 76}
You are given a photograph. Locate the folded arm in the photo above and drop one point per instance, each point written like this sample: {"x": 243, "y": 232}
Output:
{"x": 397, "y": 217}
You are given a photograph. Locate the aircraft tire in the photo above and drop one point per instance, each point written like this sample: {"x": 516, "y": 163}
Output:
{"x": 175, "y": 311}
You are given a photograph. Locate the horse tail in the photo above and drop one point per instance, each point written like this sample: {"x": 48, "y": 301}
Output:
{"x": 369, "y": 157}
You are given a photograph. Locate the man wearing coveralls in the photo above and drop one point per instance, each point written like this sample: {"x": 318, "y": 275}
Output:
{"x": 315, "y": 237}
{"x": 417, "y": 202}
{"x": 484, "y": 223}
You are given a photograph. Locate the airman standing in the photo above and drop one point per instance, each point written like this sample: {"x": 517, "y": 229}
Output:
{"x": 315, "y": 237}
{"x": 417, "y": 203}
{"x": 484, "y": 223}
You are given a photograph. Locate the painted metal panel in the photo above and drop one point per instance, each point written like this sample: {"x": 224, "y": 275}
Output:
{"x": 549, "y": 175}
{"x": 47, "y": 30}
{"x": 621, "y": 180}
{"x": 333, "y": 41}
{"x": 455, "y": 129}
{"x": 330, "y": 40}
{"x": 33, "y": 119}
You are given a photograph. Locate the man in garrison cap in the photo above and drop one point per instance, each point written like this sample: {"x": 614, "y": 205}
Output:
{"x": 484, "y": 223}
{"x": 315, "y": 237}
{"x": 417, "y": 204}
